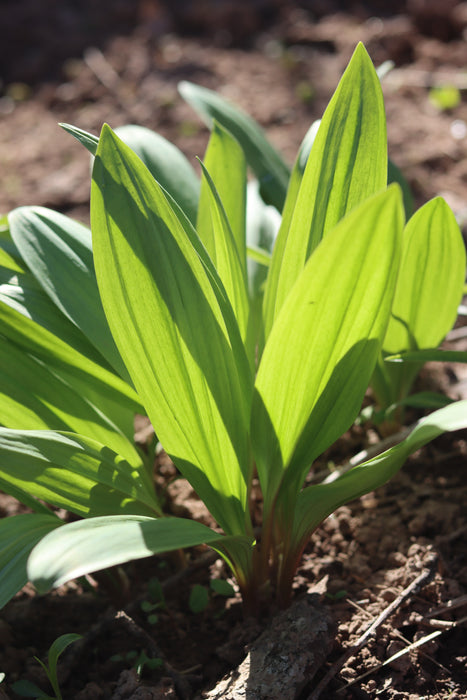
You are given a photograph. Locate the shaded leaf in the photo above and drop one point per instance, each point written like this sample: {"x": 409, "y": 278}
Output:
{"x": 58, "y": 251}
{"x": 318, "y": 501}
{"x": 261, "y": 156}
{"x": 18, "y": 535}
{"x": 97, "y": 543}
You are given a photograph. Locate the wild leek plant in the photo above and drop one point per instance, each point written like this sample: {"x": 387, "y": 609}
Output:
{"x": 239, "y": 379}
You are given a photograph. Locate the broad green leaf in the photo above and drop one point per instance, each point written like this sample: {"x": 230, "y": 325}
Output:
{"x": 58, "y": 251}
{"x": 97, "y": 543}
{"x": 225, "y": 162}
{"x": 431, "y": 280}
{"x": 50, "y": 349}
{"x": 261, "y": 156}
{"x": 222, "y": 248}
{"x": 18, "y": 535}
{"x": 165, "y": 161}
{"x": 346, "y": 165}
{"x": 73, "y": 472}
{"x": 316, "y": 502}
{"x": 33, "y": 396}
{"x": 323, "y": 346}
{"x": 24, "y": 294}
{"x": 429, "y": 355}
{"x": 429, "y": 288}
{"x": 159, "y": 290}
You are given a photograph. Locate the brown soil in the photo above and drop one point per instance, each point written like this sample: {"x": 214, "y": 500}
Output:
{"x": 280, "y": 61}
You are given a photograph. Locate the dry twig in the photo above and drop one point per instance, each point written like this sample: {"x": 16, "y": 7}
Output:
{"x": 420, "y": 582}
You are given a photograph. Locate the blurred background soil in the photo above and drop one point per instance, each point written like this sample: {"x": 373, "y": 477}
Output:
{"x": 119, "y": 61}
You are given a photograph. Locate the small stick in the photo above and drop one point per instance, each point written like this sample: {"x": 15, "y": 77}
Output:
{"x": 420, "y": 582}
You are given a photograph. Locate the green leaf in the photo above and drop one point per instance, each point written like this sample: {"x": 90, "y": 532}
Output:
{"x": 347, "y": 164}
{"x": 323, "y": 346}
{"x": 97, "y": 543}
{"x": 199, "y": 598}
{"x": 165, "y": 161}
{"x": 56, "y": 649}
{"x": 225, "y": 163}
{"x": 429, "y": 355}
{"x": 167, "y": 164}
{"x": 221, "y": 587}
{"x": 159, "y": 289}
{"x": 58, "y": 251}
{"x": 28, "y": 689}
{"x": 73, "y": 472}
{"x": 34, "y": 396}
{"x": 56, "y": 353}
{"x": 88, "y": 140}
{"x": 429, "y": 288}
{"x": 222, "y": 248}
{"x": 264, "y": 160}
{"x": 24, "y": 294}
{"x": 316, "y": 502}
{"x": 18, "y": 535}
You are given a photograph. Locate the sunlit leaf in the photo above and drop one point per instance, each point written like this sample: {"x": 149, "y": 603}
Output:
{"x": 347, "y": 163}
{"x": 165, "y": 161}
{"x": 159, "y": 292}
{"x": 323, "y": 346}
{"x": 429, "y": 288}
{"x": 73, "y": 472}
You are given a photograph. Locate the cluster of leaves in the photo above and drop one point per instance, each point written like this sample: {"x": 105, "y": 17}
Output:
{"x": 248, "y": 339}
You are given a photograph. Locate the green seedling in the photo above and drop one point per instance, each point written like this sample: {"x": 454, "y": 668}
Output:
{"x": 28, "y": 689}
{"x": 244, "y": 369}
{"x": 201, "y": 595}
{"x": 139, "y": 661}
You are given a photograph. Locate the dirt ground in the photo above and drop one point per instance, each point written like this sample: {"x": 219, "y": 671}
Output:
{"x": 402, "y": 549}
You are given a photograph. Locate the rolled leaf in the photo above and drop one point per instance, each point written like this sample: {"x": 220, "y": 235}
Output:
{"x": 223, "y": 250}
{"x": 225, "y": 162}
